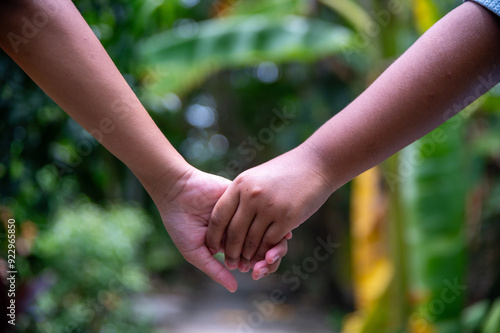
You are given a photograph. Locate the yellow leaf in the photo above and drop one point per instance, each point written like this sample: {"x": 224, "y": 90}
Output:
{"x": 372, "y": 268}
{"x": 425, "y": 13}
{"x": 420, "y": 324}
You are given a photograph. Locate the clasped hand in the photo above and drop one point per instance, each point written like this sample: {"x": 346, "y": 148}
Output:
{"x": 249, "y": 220}
{"x": 255, "y": 215}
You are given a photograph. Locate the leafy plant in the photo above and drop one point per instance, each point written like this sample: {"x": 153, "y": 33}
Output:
{"x": 188, "y": 54}
{"x": 94, "y": 265}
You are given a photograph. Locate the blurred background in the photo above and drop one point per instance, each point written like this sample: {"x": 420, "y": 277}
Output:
{"x": 410, "y": 246}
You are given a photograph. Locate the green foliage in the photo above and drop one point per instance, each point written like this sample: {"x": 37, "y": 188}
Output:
{"x": 212, "y": 56}
{"x": 188, "y": 54}
{"x": 433, "y": 171}
{"x": 269, "y": 8}
{"x": 351, "y": 11}
{"x": 94, "y": 264}
{"x": 482, "y": 317}
{"x": 492, "y": 323}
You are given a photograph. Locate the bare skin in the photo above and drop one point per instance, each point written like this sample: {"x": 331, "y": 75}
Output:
{"x": 59, "y": 51}
{"x": 450, "y": 66}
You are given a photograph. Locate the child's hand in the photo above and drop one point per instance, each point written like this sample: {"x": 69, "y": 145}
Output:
{"x": 185, "y": 209}
{"x": 263, "y": 204}
{"x": 272, "y": 260}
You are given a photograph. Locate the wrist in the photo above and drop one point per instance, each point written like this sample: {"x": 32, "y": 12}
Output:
{"x": 315, "y": 161}
{"x": 162, "y": 184}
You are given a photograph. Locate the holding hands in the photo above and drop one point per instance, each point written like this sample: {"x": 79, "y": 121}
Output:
{"x": 185, "y": 209}
{"x": 88, "y": 86}
{"x": 262, "y": 206}
{"x": 251, "y": 219}
{"x": 412, "y": 97}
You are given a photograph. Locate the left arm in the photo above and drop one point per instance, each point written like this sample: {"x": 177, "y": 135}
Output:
{"x": 59, "y": 51}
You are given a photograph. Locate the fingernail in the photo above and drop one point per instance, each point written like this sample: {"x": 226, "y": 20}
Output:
{"x": 262, "y": 273}
{"x": 275, "y": 259}
{"x": 231, "y": 265}
{"x": 212, "y": 251}
{"x": 243, "y": 267}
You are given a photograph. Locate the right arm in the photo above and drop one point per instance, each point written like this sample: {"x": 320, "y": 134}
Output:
{"x": 450, "y": 66}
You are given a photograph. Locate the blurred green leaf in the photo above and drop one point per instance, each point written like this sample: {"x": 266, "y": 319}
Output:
{"x": 474, "y": 315}
{"x": 352, "y": 12}
{"x": 181, "y": 62}
{"x": 274, "y": 8}
{"x": 93, "y": 256}
{"x": 492, "y": 323}
{"x": 434, "y": 192}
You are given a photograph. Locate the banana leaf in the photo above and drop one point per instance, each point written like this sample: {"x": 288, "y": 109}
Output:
{"x": 434, "y": 193}
{"x": 492, "y": 323}
{"x": 185, "y": 56}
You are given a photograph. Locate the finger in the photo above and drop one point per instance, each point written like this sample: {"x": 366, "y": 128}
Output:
{"x": 262, "y": 269}
{"x": 253, "y": 239}
{"x": 272, "y": 237}
{"x": 272, "y": 261}
{"x": 203, "y": 260}
{"x": 236, "y": 233}
{"x": 276, "y": 253}
{"x": 272, "y": 256}
{"x": 221, "y": 216}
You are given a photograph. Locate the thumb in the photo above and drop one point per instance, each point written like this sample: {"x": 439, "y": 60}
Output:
{"x": 203, "y": 260}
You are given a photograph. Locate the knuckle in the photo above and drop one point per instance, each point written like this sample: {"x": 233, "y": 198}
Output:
{"x": 268, "y": 242}
{"x": 270, "y": 204}
{"x": 231, "y": 257}
{"x": 250, "y": 244}
{"x": 241, "y": 179}
{"x": 248, "y": 254}
{"x": 249, "y": 185}
{"x": 217, "y": 274}
{"x": 246, "y": 259}
{"x": 255, "y": 192}
{"x": 259, "y": 255}
{"x": 234, "y": 238}
{"x": 216, "y": 221}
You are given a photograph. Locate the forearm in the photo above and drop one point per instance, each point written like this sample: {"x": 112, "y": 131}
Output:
{"x": 451, "y": 65}
{"x": 64, "y": 57}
